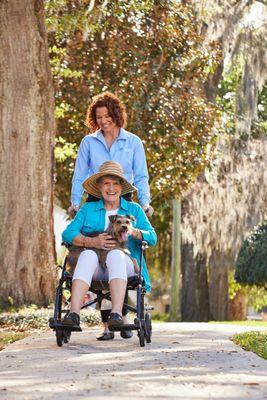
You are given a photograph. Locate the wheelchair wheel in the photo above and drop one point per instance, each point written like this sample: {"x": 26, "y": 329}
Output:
{"x": 66, "y": 336}
{"x": 148, "y": 327}
{"x": 141, "y": 335}
{"x": 60, "y": 337}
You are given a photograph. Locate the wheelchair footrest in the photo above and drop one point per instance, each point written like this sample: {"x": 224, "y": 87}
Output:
{"x": 125, "y": 327}
{"x": 55, "y": 324}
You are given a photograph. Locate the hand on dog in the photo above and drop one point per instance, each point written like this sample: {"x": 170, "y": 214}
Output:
{"x": 104, "y": 241}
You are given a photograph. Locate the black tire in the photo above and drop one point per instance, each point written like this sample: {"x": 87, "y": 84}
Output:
{"x": 59, "y": 336}
{"x": 66, "y": 336}
{"x": 141, "y": 335}
{"x": 148, "y": 327}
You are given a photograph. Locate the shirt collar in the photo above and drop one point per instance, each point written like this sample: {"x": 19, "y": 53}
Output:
{"x": 99, "y": 205}
{"x": 99, "y": 135}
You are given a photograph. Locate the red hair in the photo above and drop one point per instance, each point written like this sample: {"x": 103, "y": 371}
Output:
{"x": 116, "y": 110}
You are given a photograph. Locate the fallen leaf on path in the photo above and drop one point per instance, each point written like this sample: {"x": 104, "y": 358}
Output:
{"x": 251, "y": 383}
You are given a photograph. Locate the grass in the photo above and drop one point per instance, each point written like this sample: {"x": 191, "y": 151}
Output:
{"x": 244, "y": 323}
{"x": 160, "y": 317}
{"x": 7, "y": 338}
{"x": 252, "y": 341}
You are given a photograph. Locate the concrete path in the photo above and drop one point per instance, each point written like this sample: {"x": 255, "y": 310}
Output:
{"x": 185, "y": 361}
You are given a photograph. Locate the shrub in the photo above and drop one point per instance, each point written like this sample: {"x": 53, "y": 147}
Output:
{"x": 251, "y": 264}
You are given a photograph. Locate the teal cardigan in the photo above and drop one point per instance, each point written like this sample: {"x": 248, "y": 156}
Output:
{"x": 91, "y": 218}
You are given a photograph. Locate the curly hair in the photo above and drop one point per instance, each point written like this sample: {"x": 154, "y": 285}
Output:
{"x": 116, "y": 110}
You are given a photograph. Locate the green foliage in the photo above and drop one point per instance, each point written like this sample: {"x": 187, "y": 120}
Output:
{"x": 227, "y": 93}
{"x": 26, "y": 318}
{"x": 235, "y": 287}
{"x": 256, "y": 296}
{"x": 160, "y": 317}
{"x": 259, "y": 127}
{"x": 253, "y": 341}
{"x": 151, "y": 55}
{"x": 251, "y": 264}
{"x": 242, "y": 323}
{"x": 7, "y": 338}
{"x": 32, "y": 317}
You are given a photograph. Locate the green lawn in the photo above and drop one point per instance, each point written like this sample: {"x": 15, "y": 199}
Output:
{"x": 252, "y": 341}
{"x": 245, "y": 323}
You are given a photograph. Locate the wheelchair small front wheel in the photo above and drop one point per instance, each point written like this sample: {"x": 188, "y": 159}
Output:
{"x": 66, "y": 336}
{"x": 148, "y": 327}
{"x": 141, "y": 335}
{"x": 60, "y": 337}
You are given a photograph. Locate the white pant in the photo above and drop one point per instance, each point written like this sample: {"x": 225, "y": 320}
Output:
{"x": 119, "y": 266}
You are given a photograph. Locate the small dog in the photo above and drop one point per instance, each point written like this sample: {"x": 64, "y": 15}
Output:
{"x": 118, "y": 228}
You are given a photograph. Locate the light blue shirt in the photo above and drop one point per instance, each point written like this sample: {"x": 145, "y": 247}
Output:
{"x": 91, "y": 218}
{"x": 127, "y": 150}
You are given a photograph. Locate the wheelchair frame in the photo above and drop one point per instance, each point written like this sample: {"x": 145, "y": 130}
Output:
{"x": 142, "y": 321}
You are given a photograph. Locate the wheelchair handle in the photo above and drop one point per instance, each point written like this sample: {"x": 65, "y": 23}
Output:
{"x": 144, "y": 245}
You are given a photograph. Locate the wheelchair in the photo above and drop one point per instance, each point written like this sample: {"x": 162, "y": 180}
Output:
{"x": 142, "y": 321}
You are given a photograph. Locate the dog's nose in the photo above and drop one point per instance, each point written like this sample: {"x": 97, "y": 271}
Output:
{"x": 124, "y": 226}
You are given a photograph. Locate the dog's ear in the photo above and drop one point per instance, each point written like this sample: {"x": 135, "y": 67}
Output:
{"x": 131, "y": 217}
{"x": 112, "y": 218}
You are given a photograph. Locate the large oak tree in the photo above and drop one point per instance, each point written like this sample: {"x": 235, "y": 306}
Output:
{"x": 27, "y": 139}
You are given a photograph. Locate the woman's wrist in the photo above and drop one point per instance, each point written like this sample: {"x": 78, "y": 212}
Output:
{"x": 87, "y": 241}
{"x": 137, "y": 234}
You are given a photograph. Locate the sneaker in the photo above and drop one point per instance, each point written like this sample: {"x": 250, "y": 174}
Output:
{"x": 114, "y": 320}
{"x": 72, "y": 319}
{"x": 106, "y": 336}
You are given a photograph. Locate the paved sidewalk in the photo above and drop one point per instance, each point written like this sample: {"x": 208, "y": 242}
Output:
{"x": 185, "y": 361}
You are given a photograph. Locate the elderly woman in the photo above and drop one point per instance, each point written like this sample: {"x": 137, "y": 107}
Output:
{"x": 109, "y": 185}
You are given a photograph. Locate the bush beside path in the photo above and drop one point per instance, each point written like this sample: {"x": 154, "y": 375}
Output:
{"x": 185, "y": 361}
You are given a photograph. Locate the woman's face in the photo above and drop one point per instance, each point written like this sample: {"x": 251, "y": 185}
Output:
{"x": 110, "y": 189}
{"x": 103, "y": 120}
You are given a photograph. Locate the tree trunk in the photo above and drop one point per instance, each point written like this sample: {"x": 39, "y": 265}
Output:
{"x": 218, "y": 287}
{"x": 195, "y": 291}
{"x": 27, "y": 125}
{"x": 176, "y": 284}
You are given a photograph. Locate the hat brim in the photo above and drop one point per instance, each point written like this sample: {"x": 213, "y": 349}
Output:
{"x": 91, "y": 186}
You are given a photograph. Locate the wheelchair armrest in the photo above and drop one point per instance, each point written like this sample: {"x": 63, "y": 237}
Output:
{"x": 66, "y": 244}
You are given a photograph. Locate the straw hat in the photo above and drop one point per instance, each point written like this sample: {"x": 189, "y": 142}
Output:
{"x": 107, "y": 168}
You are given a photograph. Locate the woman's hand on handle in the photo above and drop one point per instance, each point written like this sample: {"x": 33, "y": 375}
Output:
{"x": 149, "y": 210}
{"x": 72, "y": 210}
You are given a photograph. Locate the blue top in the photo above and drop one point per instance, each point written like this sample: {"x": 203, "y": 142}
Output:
{"x": 91, "y": 218}
{"x": 127, "y": 150}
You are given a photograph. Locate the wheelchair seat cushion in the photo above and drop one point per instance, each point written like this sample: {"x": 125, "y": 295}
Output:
{"x": 104, "y": 285}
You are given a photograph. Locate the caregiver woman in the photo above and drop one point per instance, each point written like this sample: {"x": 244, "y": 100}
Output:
{"x": 106, "y": 117}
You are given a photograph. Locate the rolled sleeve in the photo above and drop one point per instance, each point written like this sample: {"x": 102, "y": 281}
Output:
{"x": 145, "y": 227}
{"x": 74, "y": 228}
{"x": 140, "y": 173}
{"x": 81, "y": 172}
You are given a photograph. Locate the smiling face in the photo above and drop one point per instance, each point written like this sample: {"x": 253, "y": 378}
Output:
{"x": 104, "y": 121}
{"x": 110, "y": 188}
